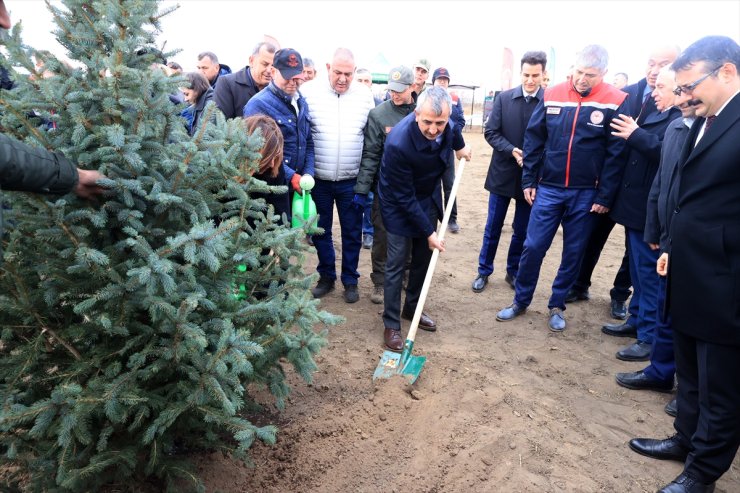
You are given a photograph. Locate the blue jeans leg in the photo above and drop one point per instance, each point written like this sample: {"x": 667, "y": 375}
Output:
{"x": 497, "y": 207}
{"x": 645, "y": 281}
{"x": 521, "y": 220}
{"x": 662, "y": 360}
{"x": 326, "y": 194}
{"x": 547, "y": 211}
{"x": 323, "y": 196}
{"x": 577, "y": 224}
{"x": 367, "y": 215}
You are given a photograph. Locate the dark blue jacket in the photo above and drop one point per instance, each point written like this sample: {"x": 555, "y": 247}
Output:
{"x": 410, "y": 174}
{"x": 642, "y": 159}
{"x": 222, "y": 70}
{"x": 568, "y": 143}
{"x": 197, "y": 110}
{"x": 504, "y": 131}
{"x": 298, "y": 154}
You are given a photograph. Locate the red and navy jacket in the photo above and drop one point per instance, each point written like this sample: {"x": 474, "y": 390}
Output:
{"x": 568, "y": 142}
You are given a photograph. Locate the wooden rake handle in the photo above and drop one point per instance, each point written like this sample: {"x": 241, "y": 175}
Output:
{"x": 435, "y": 254}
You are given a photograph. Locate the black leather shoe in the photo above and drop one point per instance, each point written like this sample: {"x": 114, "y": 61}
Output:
{"x": 453, "y": 227}
{"x": 351, "y": 294}
{"x": 619, "y": 309}
{"x": 671, "y": 409}
{"x": 668, "y": 449}
{"x": 392, "y": 339}
{"x": 425, "y": 322}
{"x": 639, "y": 381}
{"x": 479, "y": 284}
{"x": 510, "y": 280}
{"x": 639, "y": 351}
{"x": 323, "y": 287}
{"x": 510, "y": 312}
{"x": 686, "y": 484}
{"x": 619, "y": 330}
{"x": 576, "y": 295}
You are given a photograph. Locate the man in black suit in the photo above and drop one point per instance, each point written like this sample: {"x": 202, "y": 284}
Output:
{"x": 644, "y": 135}
{"x": 505, "y": 133}
{"x": 234, "y": 90}
{"x": 703, "y": 271}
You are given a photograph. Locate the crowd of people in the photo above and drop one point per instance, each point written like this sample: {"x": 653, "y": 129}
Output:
{"x": 583, "y": 155}
{"x": 658, "y": 157}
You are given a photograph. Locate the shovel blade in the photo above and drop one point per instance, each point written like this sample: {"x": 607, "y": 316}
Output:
{"x": 412, "y": 368}
{"x": 389, "y": 365}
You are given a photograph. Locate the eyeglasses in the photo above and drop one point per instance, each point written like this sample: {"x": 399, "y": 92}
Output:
{"x": 689, "y": 88}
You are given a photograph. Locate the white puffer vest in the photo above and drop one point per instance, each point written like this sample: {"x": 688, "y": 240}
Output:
{"x": 337, "y": 126}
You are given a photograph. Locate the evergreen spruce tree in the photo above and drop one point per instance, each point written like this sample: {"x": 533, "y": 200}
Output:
{"x": 123, "y": 341}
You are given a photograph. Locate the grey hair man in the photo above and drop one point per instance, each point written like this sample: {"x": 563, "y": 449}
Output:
{"x": 234, "y": 90}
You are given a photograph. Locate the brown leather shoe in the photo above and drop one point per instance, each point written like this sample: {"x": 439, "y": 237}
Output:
{"x": 393, "y": 339}
{"x": 425, "y": 322}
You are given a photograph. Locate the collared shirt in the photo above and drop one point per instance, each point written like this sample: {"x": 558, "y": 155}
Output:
{"x": 704, "y": 125}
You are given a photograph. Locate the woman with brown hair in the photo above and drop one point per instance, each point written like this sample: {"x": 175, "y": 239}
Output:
{"x": 271, "y": 168}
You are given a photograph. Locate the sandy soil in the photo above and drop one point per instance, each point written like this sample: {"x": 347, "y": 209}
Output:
{"x": 498, "y": 407}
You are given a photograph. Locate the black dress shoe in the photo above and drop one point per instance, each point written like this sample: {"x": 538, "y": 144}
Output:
{"x": 639, "y": 351}
{"x": 620, "y": 330}
{"x": 668, "y": 449}
{"x": 510, "y": 280}
{"x": 671, "y": 409}
{"x": 619, "y": 309}
{"x": 686, "y": 484}
{"x": 639, "y": 381}
{"x": 576, "y": 295}
{"x": 323, "y": 287}
{"x": 425, "y": 322}
{"x": 479, "y": 284}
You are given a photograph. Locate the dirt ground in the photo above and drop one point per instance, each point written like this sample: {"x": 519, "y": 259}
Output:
{"x": 498, "y": 407}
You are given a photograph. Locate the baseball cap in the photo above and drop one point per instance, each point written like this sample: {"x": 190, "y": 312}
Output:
{"x": 441, "y": 72}
{"x": 288, "y": 62}
{"x": 400, "y": 78}
{"x": 423, "y": 63}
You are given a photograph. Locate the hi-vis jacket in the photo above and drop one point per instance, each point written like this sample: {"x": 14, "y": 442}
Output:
{"x": 568, "y": 142}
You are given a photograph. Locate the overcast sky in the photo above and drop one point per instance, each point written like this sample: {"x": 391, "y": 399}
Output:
{"x": 466, "y": 37}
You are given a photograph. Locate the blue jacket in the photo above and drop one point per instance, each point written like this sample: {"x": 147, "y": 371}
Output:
{"x": 298, "y": 153}
{"x": 410, "y": 174}
{"x": 568, "y": 142}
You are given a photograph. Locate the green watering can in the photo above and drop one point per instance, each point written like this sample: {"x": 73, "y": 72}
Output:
{"x": 304, "y": 208}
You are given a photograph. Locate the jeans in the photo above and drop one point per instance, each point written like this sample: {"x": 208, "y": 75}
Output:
{"x": 554, "y": 206}
{"x": 367, "y": 216}
{"x": 645, "y": 283}
{"x": 497, "y": 207}
{"x": 662, "y": 360}
{"x": 326, "y": 194}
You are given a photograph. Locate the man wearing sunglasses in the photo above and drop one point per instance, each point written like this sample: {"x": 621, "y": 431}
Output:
{"x": 702, "y": 259}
